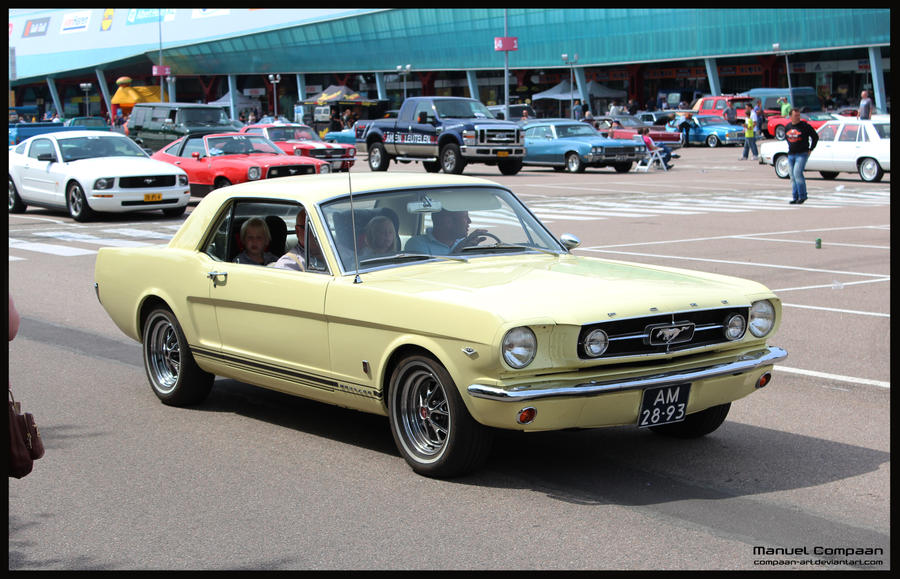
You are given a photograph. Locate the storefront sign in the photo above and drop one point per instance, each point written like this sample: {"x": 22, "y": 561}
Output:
{"x": 506, "y": 43}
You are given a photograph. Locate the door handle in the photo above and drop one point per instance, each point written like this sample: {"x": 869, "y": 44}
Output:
{"x": 214, "y": 274}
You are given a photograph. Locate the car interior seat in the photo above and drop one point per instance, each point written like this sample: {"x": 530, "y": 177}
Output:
{"x": 278, "y": 231}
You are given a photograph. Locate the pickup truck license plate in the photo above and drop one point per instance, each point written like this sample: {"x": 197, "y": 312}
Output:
{"x": 148, "y": 197}
{"x": 664, "y": 405}
{"x": 503, "y": 153}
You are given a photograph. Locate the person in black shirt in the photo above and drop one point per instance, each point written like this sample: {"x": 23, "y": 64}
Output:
{"x": 801, "y": 139}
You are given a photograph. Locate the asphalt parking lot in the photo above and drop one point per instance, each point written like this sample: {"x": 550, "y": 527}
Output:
{"x": 261, "y": 480}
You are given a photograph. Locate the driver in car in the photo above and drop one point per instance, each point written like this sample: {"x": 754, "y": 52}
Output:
{"x": 448, "y": 234}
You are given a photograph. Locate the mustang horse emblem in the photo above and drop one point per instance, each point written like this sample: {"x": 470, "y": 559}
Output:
{"x": 666, "y": 334}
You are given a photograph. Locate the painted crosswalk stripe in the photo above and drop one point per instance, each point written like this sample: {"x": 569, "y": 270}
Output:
{"x": 142, "y": 233}
{"x": 60, "y": 250}
{"x": 85, "y": 238}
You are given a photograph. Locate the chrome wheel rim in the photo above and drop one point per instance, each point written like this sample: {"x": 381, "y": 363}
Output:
{"x": 448, "y": 161}
{"x": 424, "y": 412}
{"x": 572, "y": 163}
{"x": 76, "y": 200}
{"x": 163, "y": 355}
{"x": 375, "y": 157}
{"x": 868, "y": 169}
{"x": 712, "y": 141}
{"x": 12, "y": 195}
{"x": 782, "y": 168}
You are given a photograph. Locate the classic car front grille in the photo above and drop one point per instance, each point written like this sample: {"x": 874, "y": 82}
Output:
{"x": 147, "y": 181}
{"x": 326, "y": 153}
{"x": 498, "y": 136}
{"x": 631, "y": 337}
{"x": 288, "y": 170}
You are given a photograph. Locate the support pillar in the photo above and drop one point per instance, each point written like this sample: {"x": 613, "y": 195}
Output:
{"x": 877, "y": 69}
{"x": 233, "y": 92}
{"x": 473, "y": 84}
{"x": 54, "y": 94}
{"x": 380, "y": 86}
{"x": 712, "y": 74}
{"x": 104, "y": 92}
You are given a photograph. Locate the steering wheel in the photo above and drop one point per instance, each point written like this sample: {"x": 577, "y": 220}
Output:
{"x": 458, "y": 246}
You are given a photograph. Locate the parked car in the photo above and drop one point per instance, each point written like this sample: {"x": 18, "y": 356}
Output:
{"x": 659, "y": 117}
{"x": 155, "y": 125}
{"x": 91, "y": 122}
{"x": 574, "y": 146}
{"x": 716, "y": 105}
{"x": 709, "y": 130}
{"x": 297, "y": 139}
{"x": 776, "y": 124}
{"x": 347, "y": 136}
{"x": 626, "y": 127}
{"x": 219, "y": 160}
{"x": 845, "y": 145}
{"x": 85, "y": 172}
{"x": 804, "y": 98}
{"x": 502, "y": 329}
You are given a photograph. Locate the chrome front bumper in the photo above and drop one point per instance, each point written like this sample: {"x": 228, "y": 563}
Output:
{"x": 740, "y": 365}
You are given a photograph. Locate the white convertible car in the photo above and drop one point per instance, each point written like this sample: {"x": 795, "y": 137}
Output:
{"x": 89, "y": 171}
{"x": 846, "y": 145}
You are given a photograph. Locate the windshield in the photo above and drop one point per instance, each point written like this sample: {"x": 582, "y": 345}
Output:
{"x": 457, "y": 223}
{"x": 575, "y": 130}
{"x": 462, "y": 109}
{"x": 241, "y": 145}
{"x": 292, "y": 133}
{"x": 199, "y": 116}
{"x": 75, "y": 148}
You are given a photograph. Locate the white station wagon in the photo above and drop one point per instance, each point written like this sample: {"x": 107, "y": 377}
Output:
{"x": 846, "y": 145}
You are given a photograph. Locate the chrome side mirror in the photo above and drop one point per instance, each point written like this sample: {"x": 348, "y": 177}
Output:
{"x": 569, "y": 241}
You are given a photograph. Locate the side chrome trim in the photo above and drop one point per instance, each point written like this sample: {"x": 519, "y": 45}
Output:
{"x": 744, "y": 363}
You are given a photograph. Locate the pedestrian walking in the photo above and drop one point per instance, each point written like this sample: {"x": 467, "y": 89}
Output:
{"x": 865, "y": 106}
{"x": 750, "y": 121}
{"x": 801, "y": 139}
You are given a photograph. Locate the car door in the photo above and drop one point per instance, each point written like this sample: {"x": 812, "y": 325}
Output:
{"x": 271, "y": 321}
{"x": 538, "y": 144}
{"x": 420, "y": 132}
{"x": 847, "y": 147}
{"x": 822, "y": 157}
{"x": 43, "y": 179}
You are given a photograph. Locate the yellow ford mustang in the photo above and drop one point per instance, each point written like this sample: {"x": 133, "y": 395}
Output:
{"x": 441, "y": 302}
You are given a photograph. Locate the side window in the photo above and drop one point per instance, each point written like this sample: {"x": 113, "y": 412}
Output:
{"x": 424, "y": 112}
{"x": 217, "y": 245}
{"x": 827, "y": 132}
{"x": 40, "y": 147}
{"x": 193, "y": 146}
{"x": 707, "y": 104}
{"x": 138, "y": 116}
{"x": 720, "y": 105}
{"x": 849, "y": 133}
{"x": 159, "y": 114}
{"x": 255, "y": 131}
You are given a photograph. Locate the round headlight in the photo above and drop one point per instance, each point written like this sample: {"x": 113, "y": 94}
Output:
{"x": 326, "y": 168}
{"x": 735, "y": 326}
{"x": 254, "y": 173}
{"x": 182, "y": 180}
{"x": 519, "y": 347}
{"x": 596, "y": 343}
{"x": 103, "y": 183}
{"x": 351, "y": 151}
{"x": 762, "y": 318}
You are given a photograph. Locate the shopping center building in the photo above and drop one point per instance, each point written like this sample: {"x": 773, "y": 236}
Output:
{"x": 654, "y": 56}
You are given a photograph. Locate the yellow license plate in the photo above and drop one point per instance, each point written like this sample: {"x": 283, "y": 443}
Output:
{"x": 152, "y": 197}
{"x": 503, "y": 153}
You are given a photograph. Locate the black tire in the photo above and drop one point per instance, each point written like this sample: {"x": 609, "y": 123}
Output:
{"x": 870, "y": 170}
{"x": 175, "y": 211}
{"x": 510, "y": 167}
{"x": 16, "y": 205}
{"x": 221, "y": 182}
{"x": 378, "y": 157}
{"x": 780, "y": 132}
{"x": 829, "y": 175}
{"x": 77, "y": 204}
{"x": 451, "y": 159}
{"x": 697, "y": 424}
{"x": 432, "y": 428}
{"x": 712, "y": 141}
{"x": 623, "y": 167}
{"x": 431, "y": 166}
{"x": 174, "y": 376}
{"x": 573, "y": 163}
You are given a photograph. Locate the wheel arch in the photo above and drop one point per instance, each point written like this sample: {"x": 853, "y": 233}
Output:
{"x": 147, "y": 305}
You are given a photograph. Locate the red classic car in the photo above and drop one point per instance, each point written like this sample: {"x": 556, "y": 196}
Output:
{"x": 716, "y": 105}
{"x": 296, "y": 139}
{"x": 626, "y": 127}
{"x": 222, "y": 159}
{"x": 776, "y": 124}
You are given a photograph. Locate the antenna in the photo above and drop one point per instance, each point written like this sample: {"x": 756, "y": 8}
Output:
{"x": 356, "y": 279}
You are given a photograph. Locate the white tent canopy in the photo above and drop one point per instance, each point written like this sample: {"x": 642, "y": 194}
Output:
{"x": 243, "y": 101}
{"x": 563, "y": 92}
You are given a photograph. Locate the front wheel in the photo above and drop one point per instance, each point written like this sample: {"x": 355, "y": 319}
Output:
{"x": 174, "y": 376}
{"x": 510, "y": 167}
{"x": 77, "y": 203}
{"x": 451, "y": 159}
{"x": 697, "y": 424}
{"x": 870, "y": 171}
{"x": 175, "y": 211}
{"x": 574, "y": 163}
{"x": 828, "y": 175}
{"x": 431, "y": 426}
{"x": 782, "y": 167}
{"x": 712, "y": 141}
{"x": 623, "y": 167}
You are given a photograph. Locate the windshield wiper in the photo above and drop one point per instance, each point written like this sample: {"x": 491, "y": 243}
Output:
{"x": 508, "y": 247}
{"x": 401, "y": 257}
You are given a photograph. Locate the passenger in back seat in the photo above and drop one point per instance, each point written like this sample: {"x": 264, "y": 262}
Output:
{"x": 255, "y": 238}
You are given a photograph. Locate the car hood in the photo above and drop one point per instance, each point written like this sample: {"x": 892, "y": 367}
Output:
{"x": 566, "y": 289}
{"x": 123, "y": 166}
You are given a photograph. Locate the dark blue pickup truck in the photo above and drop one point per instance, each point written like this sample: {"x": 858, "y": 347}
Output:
{"x": 444, "y": 133}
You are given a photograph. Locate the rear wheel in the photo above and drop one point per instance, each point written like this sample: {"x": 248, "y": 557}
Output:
{"x": 431, "y": 426}
{"x": 697, "y": 424}
{"x": 77, "y": 203}
{"x": 870, "y": 171}
{"x": 16, "y": 205}
{"x": 174, "y": 375}
{"x": 378, "y": 157}
{"x": 431, "y": 166}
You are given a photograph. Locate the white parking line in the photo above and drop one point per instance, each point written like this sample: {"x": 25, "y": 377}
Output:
{"x": 835, "y": 377}
{"x": 753, "y": 237}
{"x": 85, "y": 238}
{"x": 838, "y": 310}
{"x": 60, "y": 250}
{"x": 834, "y": 285}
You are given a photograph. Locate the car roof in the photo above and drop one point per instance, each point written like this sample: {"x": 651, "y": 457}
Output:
{"x": 73, "y": 134}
